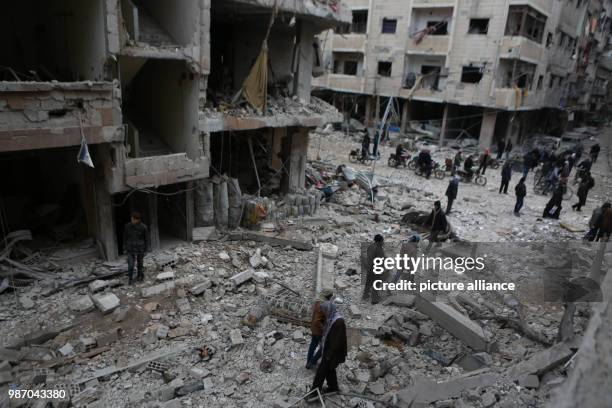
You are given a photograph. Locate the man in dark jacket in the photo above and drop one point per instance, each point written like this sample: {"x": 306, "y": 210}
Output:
{"x": 451, "y": 193}
{"x": 521, "y": 191}
{"x": 437, "y": 222}
{"x": 484, "y": 161}
{"x": 506, "y": 175}
{"x": 316, "y": 328}
{"x": 365, "y": 146}
{"x": 587, "y": 182}
{"x": 334, "y": 350}
{"x": 553, "y": 207}
{"x": 136, "y": 242}
{"x": 595, "y": 221}
{"x": 594, "y": 152}
{"x": 467, "y": 166}
{"x": 375, "y": 250}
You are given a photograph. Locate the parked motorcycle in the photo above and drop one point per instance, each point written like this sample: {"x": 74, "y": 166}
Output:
{"x": 491, "y": 164}
{"x": 437, "y": 171}
{"x": 466, "y": 177}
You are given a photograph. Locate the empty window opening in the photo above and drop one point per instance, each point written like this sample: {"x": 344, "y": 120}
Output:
{"x": 360, "y": 21}
{"x": 540, "y": 82}
{"x": 384, "y": 68}
{"x": 389, "y": 26}
{"x": 479, "y": 26}
{"x": 526, "y": 22}
{"x": 347, "y": 63}
{"x": 437, "y": 27}
{"x": 549, "y": 40}
{"x": 471, "y": 74}
{"x": 431, "y": 75}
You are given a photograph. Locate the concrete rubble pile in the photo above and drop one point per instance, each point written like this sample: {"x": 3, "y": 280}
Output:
{"x": 225, "y": 322}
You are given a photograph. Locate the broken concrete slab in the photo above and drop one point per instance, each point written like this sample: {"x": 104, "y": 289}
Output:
{"x": 324, "y": 274}
{"x": 200, "y": 288}
{"x": 401, "y": 300}
{"x": 10, "y": 355}
{"x": 269, "y": 239}
{"x": 106, "y": 303}
{"x": 425, "y": 391}
{"x": 26, "y": 302}
{"x": 162, "y": 331}
{"x": 82, "y": 304}
{"x": 236, "y": 337}
{"x": 98, "y": 285}
{"x": 541, "y": 362}
{"x": 66, "y": 349}
{"x": 183, "y": 305}
{"x": 200, "y": 234}
{"x": 242, "y": 277}
{"x": 165, "y": 276}
{"x": 457, "y": 324}
{"x": 157, "y": 289}
{"x": 529, "y": 381}
{"x": 474, "y": 361}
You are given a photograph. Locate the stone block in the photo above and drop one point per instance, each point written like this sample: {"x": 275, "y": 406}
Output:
{"x": 106, "y": 303}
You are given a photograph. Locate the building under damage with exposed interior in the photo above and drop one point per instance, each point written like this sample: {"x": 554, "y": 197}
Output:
{"x": 486, "y": 70}
{"x": 174, "y": 101}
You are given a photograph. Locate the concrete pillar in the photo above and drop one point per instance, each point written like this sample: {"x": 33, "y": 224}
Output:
{"x": 305, "y": 56}
{"x": 487, "y": 129}
{"x": 276, "y": 144}
{"x": 297, "y": 159}
{"x": 105, "y": 219}
{"x": 377, "y": 111}
{"x": 405, "y": 116}
{"x": 153, "y": 221}
{"x": 443, "y": 128}
{"x": 189, "y": 211}
{"x": 324, "y": 268}
{"x": 368, "y": 111}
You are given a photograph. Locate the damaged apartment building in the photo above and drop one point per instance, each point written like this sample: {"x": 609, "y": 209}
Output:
{"x": 157, "y": 93}
{"x": 488, "y": 70}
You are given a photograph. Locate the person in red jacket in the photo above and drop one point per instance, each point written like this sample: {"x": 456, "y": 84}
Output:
{"x": 316, "y": 328}
{"x": 334, "y": 350}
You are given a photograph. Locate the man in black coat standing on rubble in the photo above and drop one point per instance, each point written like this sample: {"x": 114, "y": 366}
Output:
{"x": 136, "y": 242}
{"x": 451, "y": 193}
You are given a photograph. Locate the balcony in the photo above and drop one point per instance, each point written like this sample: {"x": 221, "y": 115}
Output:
{"x": 521, "y": 48}
{"x": 430, "y": 45}
{"x": 432, "y": 3}
{"x": 41, "y": 115}
{"x": 349, "y": 42}
{"x": 157, "y": 171}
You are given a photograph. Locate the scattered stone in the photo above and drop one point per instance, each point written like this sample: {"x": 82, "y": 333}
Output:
{"x": 236, "y": 337}
{"x": 261, "y": 277}
{"x": 26, "y": 302}
{"x": 162, "y": 331}
{"x": 242, "y": 277}
{"x": 82, "y": 304}
{"x": 98, "y": 285}
{"x": 529, "y": 381}
{"x": 488, "y": 399}
{"x": 66, "y": 349}
{"x": 200, "y": 288}
{"x": 120, "y": 313}
{"x": 157, "y": 289}
{"x": 165, "y": 276}
{"x": 183, "y": 305}
{"x": 400, "y": 300}
{"x": 150, "y": 307}
{"x": 224, "y": 256}
{"x": 243, "y": 377}
{"x": 106, "y": 303}
{"x": 355, "y": 311}
{"x": 298, "y": 335}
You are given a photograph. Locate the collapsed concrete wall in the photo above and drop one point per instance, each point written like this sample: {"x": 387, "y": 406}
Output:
{"x": 35, "y": 115}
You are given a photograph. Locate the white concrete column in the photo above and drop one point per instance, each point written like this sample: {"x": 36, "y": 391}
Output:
{"x": 487, "y": 129}
{"x": 405, "y": 116}
{"x": 443, "y": 128}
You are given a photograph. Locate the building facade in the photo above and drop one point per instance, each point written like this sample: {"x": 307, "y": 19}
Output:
{"x": 148, "y": 87}
{"x": 482, "y": 68}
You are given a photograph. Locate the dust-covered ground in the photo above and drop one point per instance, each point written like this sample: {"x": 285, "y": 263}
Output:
{"x": 148, "y": 350}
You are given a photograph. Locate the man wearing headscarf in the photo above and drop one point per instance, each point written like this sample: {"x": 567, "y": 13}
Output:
{"x": 484, "y": 161}
{"x": 334, "y": 349}
{"x": 316, "y": 328}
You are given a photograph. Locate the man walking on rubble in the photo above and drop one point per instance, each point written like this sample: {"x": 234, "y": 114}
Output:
{"x": 521, "y": 191}
{"x": 334, "y": 346}
{"x": 506, "y": 175}
{"x": 136, "y": 242}
{"x": 451, "y": 193}
{"x": 375, "y": 250}
{"x": 316, "y": 329}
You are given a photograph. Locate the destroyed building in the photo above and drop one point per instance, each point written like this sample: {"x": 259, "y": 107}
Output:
{"x": 479, "y": 70}
{"x": 151, "y": 91}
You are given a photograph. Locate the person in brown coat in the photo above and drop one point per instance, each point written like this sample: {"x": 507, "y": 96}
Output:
{"x": 605, "y": 228}
{"x": 316, "y": 329}
{"x": 334, "y": 349}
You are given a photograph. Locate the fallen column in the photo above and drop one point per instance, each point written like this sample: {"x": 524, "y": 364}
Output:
{"x": 457, "y": 324}
{"x": 324, "y": 272}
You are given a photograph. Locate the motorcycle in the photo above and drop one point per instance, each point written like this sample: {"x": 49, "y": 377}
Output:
{"x": 491, "y": 163}
{"x": 436, "y": 171}
{"x": 355, "y": 156}
{"x": 467, "y": 177}
{"x": 403, "y": 160}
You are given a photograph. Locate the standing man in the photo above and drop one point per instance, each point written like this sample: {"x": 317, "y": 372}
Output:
{"x": 484, "y": 161}
{"x": 136, "y": 242}
{"x": 521, "y": 191}
{"x": 506, "y": 175}
{"x": 437, "y": 222}
{"x": 553, "y": 207}
{"x": 334, "y": 350}
{"x": 457, "y": 162}
{"x": 316, "y": 328}
{"x": 451, "y": 193}
{"x": 586, "y": 183}
{"x": 594, "y": 152}
{"x": 501, "y": 145}
{"x": 595, "y": 221}
{"x": 375, "y": 250}
{"x": 365, "y": 146}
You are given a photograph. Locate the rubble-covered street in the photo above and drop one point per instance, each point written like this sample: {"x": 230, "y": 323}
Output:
{"x": 217, "y": 322}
